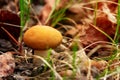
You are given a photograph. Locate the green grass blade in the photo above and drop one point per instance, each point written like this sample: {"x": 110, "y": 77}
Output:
{"x": 116, "y": 37}
{"x": 53, "y": 9}
{"x": 24, "y": 14}
{"x": 103, "y": 33}
{"x": 95, "y": 12}
{"x": 58, "y": 16}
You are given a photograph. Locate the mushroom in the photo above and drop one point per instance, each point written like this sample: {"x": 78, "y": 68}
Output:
{"x": 41, "y": 38}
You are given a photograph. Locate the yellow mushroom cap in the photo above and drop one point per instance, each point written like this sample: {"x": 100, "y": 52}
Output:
{"x": 42, "y": 37}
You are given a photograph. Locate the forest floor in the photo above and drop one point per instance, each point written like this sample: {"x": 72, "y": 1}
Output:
{"x": 89, "y": 49}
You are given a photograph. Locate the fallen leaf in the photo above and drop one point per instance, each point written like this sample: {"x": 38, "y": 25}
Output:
{"x": 80, "y": 29}
{"x": 105, "y": 24}
{"x": 7, "y": 20}
{"x": 5, "y": 45}
{"x": 7, "y": 64}
{"x": 99, "y": 64}
{"x": 72, "y": 32}
{"x": 105, "y": 21}
{"x": 91, "y": 36}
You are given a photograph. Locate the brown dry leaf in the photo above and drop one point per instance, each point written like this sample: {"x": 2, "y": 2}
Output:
{"x": 111, "y": 5}
{"x": 77, "y": 8}
{"x": 92, "y": 35}
{"x": 108, "y": 10}
{"x": 72, "y": 32}
{"x": 105, "y": 21}
{"x": 78, "y": 29}
{"x": 99, "y": 64}
{"x": 105, "y": 24}
{"x": 7, "y": 64}
{"x": 5, "y": 45}
{"x": 8, "y": 17}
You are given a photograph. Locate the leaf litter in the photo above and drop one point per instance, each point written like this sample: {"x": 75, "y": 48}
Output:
{"x": 93, "y": 58}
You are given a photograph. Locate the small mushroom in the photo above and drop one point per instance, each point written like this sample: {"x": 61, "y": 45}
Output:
{"x": 66, "y": 73}
{"x": 41, "y": 38}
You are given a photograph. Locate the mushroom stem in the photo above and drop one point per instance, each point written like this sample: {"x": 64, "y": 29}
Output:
{"x": 41, "y": 53}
